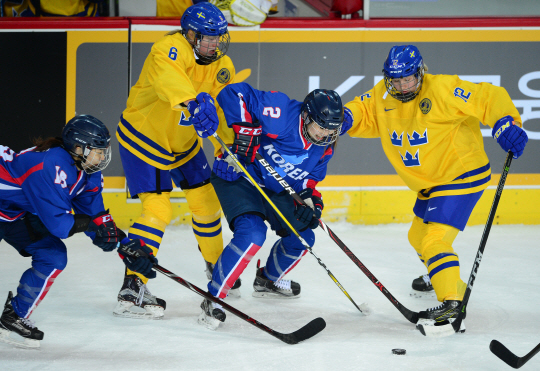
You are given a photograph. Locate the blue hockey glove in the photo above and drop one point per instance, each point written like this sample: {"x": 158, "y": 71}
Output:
{"x": 307, "y": 214}
{"x": 225, "y": 168}
{"x": 203, "y": 115}
{"x": 107, "y": 234}
{"x": 510, "y": 136}
{"x": 138, "y": 257}
{"x": 247, "y": 139}
{"x": 347, "y": 121}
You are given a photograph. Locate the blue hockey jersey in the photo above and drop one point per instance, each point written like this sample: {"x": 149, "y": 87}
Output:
{"x": 298, "y": 161}
{"x": 49, "y": 185}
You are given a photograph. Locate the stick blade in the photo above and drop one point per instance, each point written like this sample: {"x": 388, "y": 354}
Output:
{"x": 304, "y": 333}
{"x": 504, "y": 354}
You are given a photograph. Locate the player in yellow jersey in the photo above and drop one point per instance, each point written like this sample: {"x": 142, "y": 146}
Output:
{"x": 170, "y": 104}
{"x": 430, "y": 132}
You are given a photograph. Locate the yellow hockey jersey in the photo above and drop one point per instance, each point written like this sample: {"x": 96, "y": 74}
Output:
{"x": 434, "y": 139}
{"x": 154, "y": 126}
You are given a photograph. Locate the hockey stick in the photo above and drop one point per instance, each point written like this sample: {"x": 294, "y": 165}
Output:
{"x": 304, "y": 333}
{"x": 451, "y": 328}
{"x": 510, "y": 358}
{"x": 410, "y": 315}
{"x": 363, "y": 308}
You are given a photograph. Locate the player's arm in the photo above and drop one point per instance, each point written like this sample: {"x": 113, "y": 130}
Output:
{"x": 240, "y": 104}
{"x": 89, "y": 209}
{"x": 167, "y": 74}
{"x": 494, "y": 107}
{"x": 306, "y": 189}
{"x": 362, "y": 112}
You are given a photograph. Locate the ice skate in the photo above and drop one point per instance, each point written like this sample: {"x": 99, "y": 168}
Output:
{"x": 135, "y": 301}
{"x": 212, "y": 315}
{"x": 234, "y": 292}
{"x": 266, "y": 288}
{"x": 422, "y": 288}
{"x": 16, "y": 330}
{"x": 445, "y": 313}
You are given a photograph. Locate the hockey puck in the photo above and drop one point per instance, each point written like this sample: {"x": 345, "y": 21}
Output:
{"x": 399, "y": 352}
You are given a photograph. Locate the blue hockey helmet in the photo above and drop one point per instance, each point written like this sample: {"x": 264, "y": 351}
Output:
{"x": 205, "y": 19}
{"x": 323, "y": 114}
{"x": 403, "y": 61}
{"x": 88, "y": 133}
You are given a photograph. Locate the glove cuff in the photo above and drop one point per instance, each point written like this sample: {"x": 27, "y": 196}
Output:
{"x": 81, "y": 223}
{"x": 501, "y": 125}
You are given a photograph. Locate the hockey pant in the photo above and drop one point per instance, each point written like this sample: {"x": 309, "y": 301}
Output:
{"x": 248, "y": 237}
{"x": 433, "y": 244}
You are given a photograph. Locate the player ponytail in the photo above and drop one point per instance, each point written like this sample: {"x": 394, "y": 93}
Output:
{"x": 43, "y": 145}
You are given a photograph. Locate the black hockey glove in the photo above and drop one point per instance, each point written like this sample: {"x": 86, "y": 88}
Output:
{"x": 247, "y": 139}
{"x": 108, "y": 235}
{"x": 307, "y": 214}
{"x": 138, "y": 257}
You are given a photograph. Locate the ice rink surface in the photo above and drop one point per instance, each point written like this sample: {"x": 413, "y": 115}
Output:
{"x": 82, "y": 334}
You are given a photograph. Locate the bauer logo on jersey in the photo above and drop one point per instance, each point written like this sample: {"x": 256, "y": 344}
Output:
{"x": 425, "y": 106}
{"x": 223, "y": 76}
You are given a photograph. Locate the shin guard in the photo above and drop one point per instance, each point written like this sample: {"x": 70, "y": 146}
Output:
{"x": 249, "y": 235}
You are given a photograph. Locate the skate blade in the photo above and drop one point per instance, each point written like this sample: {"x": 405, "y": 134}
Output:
{"x": 430, "y": 328}
{"x": 10, "y": 337}
{"x": 210, "y": 323}
{"x": 126, "y": 309}
{"x": 234, "y": 294}
{"x": 423, "y": 294}
{"x": 272, "y": 295}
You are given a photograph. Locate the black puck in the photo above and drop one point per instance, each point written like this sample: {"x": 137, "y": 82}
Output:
{"x": 399, "y": 352}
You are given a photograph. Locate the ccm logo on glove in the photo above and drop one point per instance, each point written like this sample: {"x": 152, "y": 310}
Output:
{"x": 250, "y": 131}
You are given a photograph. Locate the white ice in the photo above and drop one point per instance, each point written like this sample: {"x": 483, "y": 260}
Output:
{"x": 82, "y": 334}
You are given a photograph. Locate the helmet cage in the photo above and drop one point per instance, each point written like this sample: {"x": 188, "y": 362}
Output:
{"x": 329, "y": 139}
{"x": 404, "y": 97}
{"x": 88, "y": 158}
{"x": 205, "y": 53}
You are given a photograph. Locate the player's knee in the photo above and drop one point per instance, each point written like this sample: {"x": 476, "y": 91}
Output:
{"x": 52, "y": 256}
{"x": 308, "y": 235}
{"x": 415, "y": 234}
{"x": 157, "y": 207}
{"x": 203, "y": 201}
{"x": 438, "y": 239}
{"x": 252, "y": 225}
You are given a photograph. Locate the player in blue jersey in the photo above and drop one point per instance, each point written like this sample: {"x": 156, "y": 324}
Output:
{"x": 39, "y": 188}
{"x": 297, "y": 139}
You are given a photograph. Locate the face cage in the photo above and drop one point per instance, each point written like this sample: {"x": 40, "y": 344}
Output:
{"x": 86, "y": 163}
{"x": 329, "y": 139}
{"x": 221, "y": 50}
{"x": 419, "y": 75}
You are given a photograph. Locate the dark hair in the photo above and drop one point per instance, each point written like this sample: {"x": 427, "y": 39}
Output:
{"x": 45, "y": 144}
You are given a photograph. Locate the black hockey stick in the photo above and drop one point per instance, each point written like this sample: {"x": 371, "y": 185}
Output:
{"x": 409, "y": 314}
{"x": 304, "y": 333}
{"x": 451, "y": 328}
{"x": 510, "y": 358}
{"x": 365, "y": 309}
